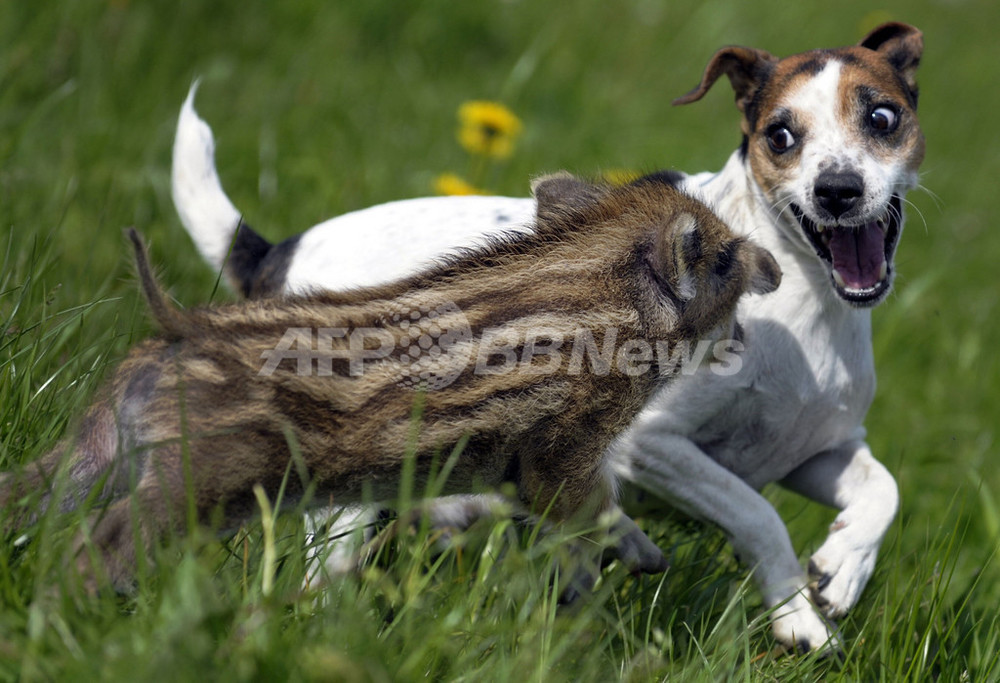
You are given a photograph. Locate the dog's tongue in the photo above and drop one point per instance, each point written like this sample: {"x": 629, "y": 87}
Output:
{"x": 858, "y": 255}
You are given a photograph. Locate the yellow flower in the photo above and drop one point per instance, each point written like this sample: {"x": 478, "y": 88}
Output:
{"x": 451, "y": 184}
{"x": 488, "y": 128}
{"x": 620, "y": 176}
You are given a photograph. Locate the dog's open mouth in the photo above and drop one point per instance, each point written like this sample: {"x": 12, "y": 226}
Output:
{"x": 859, "y": 256}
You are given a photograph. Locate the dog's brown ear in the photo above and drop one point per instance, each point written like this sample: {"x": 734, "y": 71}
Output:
{"x": 902, "y": 46}
{"x": 746, "y": 68}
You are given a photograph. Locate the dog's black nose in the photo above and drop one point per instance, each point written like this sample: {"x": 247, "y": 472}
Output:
{"x": 838, "y": 192}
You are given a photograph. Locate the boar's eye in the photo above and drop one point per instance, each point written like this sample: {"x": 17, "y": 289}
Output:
{"x": 725, "y": 258}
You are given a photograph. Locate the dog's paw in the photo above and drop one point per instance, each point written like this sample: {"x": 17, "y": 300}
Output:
{"x": 839, "y": 572}
{"x": 801, "y": 629}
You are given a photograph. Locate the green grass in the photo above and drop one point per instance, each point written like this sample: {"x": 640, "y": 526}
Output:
{"x": 320, "y": 108}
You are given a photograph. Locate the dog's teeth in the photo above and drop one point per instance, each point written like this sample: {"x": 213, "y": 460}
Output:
{"x": 883, "y": 271}
{"x": 820, "y": 229}
{"x": 839, "y": 279}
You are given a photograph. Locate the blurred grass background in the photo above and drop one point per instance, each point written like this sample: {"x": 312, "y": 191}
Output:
{"x": 325, "y": 107}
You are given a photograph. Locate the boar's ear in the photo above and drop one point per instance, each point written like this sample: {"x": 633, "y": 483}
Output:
{"x": 562, "y": 193}
{"x": 676, "y": 249}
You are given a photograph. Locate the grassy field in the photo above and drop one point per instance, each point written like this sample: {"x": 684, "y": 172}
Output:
{"x": 320, "y": 108}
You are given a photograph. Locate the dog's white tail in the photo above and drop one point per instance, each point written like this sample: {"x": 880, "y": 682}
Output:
{"x": 205, "y": 210}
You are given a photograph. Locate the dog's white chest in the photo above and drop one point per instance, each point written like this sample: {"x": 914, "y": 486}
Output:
{"x": 804, "y": 387}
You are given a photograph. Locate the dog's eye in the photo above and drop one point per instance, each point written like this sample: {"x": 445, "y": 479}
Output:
{"x": 883, "y": 120}
{"x": 780, "y": 139}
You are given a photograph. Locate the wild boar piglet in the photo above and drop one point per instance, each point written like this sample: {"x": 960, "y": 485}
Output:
{"x": 531, "y": 355}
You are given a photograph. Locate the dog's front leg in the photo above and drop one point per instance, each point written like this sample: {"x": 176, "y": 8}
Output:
{"x": 674, "y": 468}
{"x": 334, "y": 538}
{"x": 850, "y": 479}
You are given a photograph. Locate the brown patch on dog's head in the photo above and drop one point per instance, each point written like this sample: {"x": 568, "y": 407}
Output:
{"x": 878, "y": 87}
{"x": 888, "y": 56}
{"x": 902, "y": 46}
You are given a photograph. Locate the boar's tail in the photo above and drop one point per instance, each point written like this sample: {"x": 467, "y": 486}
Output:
{"x": 170, "y": 320}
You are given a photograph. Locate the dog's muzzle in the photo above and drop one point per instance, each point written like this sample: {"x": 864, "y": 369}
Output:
{"x": 859, "y": 257}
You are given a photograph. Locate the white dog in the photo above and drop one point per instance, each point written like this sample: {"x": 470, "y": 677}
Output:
{"x": 831, "y": 143}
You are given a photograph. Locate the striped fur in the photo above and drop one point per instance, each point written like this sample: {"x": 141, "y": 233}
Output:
{"x": 192, "y": 413}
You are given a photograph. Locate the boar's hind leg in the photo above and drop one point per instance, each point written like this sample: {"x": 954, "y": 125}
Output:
{"x": 125, "y": 533}
{"x": 66, "y": 475}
